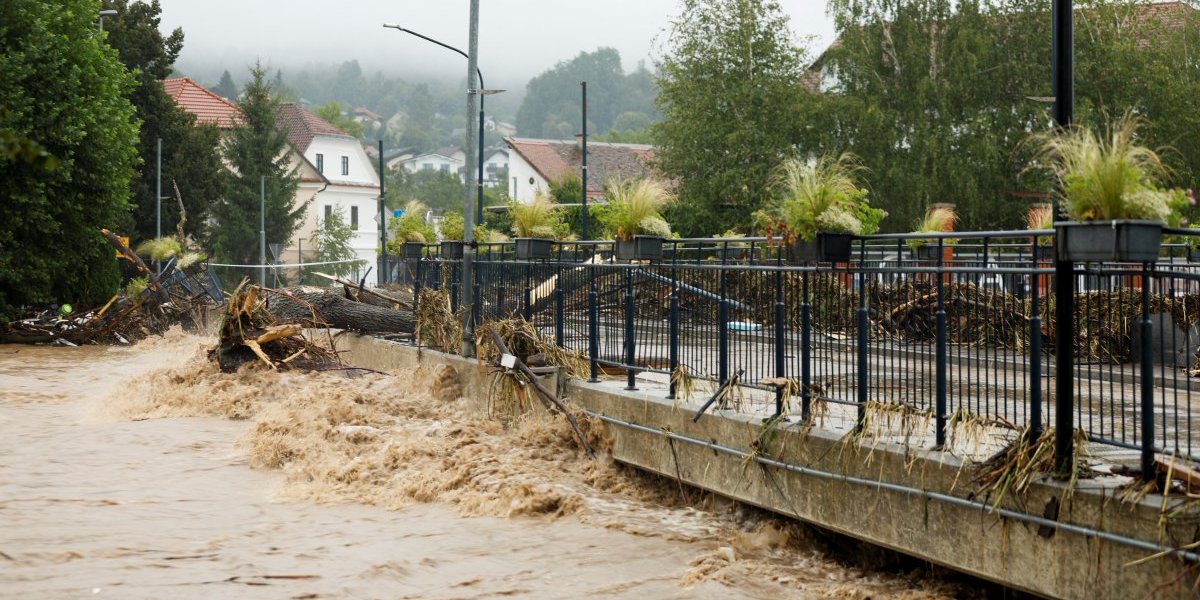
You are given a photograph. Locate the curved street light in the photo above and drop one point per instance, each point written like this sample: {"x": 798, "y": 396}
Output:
{"x": 482, "y": 91}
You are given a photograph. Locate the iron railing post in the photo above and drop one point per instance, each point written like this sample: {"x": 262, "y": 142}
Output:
{"x": 593, "y": 322}
{"x": 527, "y": 309}
{"x": 1147, "y": 377}
{"x": 673, "y": 351}
{"x": 417, "y": 289}
{"x": 723, "y": 333}
{"x": 863, "y": 340}
{"x": 454, "y": 287}
{"x": 1035, "y": 352}
{"x": 560, "y": 336}
{"x": 805, "y": 352}
{"x": 780, "y": 322}
{"x": 1063, "y": 90}
{"x": 476, "y": 298}
{"x": 630, "y": 347}
{"x": 941, "y": 408}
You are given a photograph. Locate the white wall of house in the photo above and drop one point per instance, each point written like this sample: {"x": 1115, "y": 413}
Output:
{"x": 493, "y": 166}
{"x": 332, "y": 150}
{"x": 524, "y": 182}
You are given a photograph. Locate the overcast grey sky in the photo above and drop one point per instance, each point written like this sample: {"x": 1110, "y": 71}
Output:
{"x": 518, "y": 38}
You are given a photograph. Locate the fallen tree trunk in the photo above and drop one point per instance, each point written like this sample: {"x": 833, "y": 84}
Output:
{"x": 333, "y": 309}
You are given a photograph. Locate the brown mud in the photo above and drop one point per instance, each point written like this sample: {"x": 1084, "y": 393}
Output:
{"x": 144, "y": 472}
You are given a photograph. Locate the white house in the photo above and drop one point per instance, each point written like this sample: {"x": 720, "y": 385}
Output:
{"x": 495, "y": 166}
{"x": 351, "y": 185}
{"x": 448, "y": 160}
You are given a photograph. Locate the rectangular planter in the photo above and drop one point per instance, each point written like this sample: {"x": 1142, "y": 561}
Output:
{"x": 452, "y": 249}
{"x": 1119, "y": 240}
{"x": 733, "y": 253}
{"x": 828, "y": 247}
{"x": 412, "y": 250}
{"x": 534, "y": 248}
{"x": 928, "y": 252}
{"x": 1193, "y": 255}
{"x": 641, "y": 247}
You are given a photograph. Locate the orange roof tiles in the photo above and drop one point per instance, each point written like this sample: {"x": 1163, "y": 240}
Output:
{"x": 554, "y": 159}
{"x": 208, "y": 107}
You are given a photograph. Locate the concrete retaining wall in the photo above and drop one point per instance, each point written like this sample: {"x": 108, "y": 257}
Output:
{"x": 1005, "y": 550}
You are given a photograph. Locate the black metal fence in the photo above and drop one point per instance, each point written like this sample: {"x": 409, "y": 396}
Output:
{"x": 960, "y": 327}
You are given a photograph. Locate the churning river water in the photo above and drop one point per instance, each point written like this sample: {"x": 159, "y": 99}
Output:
{"x": 143, "y": 473}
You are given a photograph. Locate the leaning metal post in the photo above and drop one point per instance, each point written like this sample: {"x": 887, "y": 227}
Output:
{"x": 1147, "y": 377}
{"x": 468, "y": 271}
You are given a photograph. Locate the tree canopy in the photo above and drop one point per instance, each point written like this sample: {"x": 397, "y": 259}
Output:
{"x": 551, "y": 107}
{"x": 190, "y": 158}
{"x": 50, "y": 246}
{"x": 730, "y": 104}
{"x": 257, "y": 148}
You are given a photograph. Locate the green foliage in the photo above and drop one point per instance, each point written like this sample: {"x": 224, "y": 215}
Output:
{"x": 537, "y": 219}
{"x": 1107, "y": 175}
{"x": 226, "y": 88}
{"x": 255, "y": 149}
{"x": 437, "y": 189}
{"x": 452, "y": 226}
{"x": 635, "y": 208}
{"x": 333, "y": 240}
{"x": 938, "y": 219}
{"x": 730, "y": 99}
{"x": 412, "y": 227}
{"x": 551, "y": 106}
{"x": 820, "y": 196}
{"x": 935, "y": 95}
{"x": 190, "y": 158}
{"x": 332, "y": 112}
{"x": 136, "y": 287}
{"x": 63, "y": 89}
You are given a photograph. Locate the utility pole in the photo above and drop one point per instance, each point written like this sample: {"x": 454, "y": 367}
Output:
{"x": 158, "y": 193}
{"x": 380, "y": 268}
{"x": 583, "y": 166}
{"x": 262, "y": 231}
{"x": 1062, "y": 57}
{"x": 468, "y": 270}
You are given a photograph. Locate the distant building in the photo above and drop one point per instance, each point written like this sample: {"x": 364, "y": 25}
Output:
{"x": 335, "y": 171}
{"x": 495, "y": 166}
{"x": 534, "y": 164}
{"x": 447, "y": 160}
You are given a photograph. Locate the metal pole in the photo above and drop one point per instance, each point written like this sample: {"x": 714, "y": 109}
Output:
{"x": 479, "y": 174}
{"x": 1147, "y": 377}
{"x": 1062, "y": 58}
{"x": 158, "y": 192}
{"x": 468, "y": 329}
{"x": 262, "y": 231}
{"x": 381, "y": 275}
{"x": 583, "y": 167}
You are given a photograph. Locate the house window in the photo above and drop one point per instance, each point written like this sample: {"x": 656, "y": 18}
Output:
{"x": 328, "y": 208}
{"x": 354, "y": 218}
{"x": 345, "y": 165}
{"x": 321, "y": 166}
{"x": 427, "y": 167}
{"x": 445, "y": 168}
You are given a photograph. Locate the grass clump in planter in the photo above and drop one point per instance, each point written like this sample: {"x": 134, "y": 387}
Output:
{"x": 410, "y": 228}
{"x": 537, "y": 219}
{"x": 633, "y": 217}
{"x": 938, "y": 219}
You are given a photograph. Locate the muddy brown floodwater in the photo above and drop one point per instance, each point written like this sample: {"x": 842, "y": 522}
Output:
{"x": 144, "y": 473}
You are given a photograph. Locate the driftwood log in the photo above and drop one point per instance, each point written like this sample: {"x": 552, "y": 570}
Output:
{"x": 333, "y": 309}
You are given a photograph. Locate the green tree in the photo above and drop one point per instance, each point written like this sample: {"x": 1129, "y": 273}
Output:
{"x": 332, "y": 112}
{"x": 438, "y": 190}
{"x": 730, "y": 105}
{"x": 226, "y": 88}
{"x": 332, "y": 239}
{"x": 257, "y": 148}
{"x": 50, "y": 246}
{"x": 551, "y": 106}
{"x": 190, "y": 157}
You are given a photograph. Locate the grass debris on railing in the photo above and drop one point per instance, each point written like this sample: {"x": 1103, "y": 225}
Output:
{"x": 437, "y": 326}
{"x": 1013, "y": 470}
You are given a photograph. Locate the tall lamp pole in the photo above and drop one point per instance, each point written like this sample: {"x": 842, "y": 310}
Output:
{"x": 481, "y": 91}
{"x": 262, "y": 231}
{"x": 1062, "y": 58}
{"x": 106, "y": 13}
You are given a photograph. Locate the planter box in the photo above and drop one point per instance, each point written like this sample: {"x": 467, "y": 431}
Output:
{"x": 929, "y": 252}
{"x": 1096, "y": 241}
{"x": 828, "y": 247}
{"x": 412, "y": 250}
{"x": 1193, "y": 255}
{"x": 452, "y": 249}
{"x": 641, "y": 247}
{"x": 534, "y": 248}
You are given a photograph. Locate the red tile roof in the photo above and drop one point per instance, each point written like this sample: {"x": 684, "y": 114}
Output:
{"x": 198, "y": 100}
{"x": 555, "y": 159}
{"x": 303, "y": 126}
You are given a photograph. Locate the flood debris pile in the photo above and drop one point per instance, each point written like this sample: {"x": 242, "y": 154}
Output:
{"x": 178, "y": 291}
{"x": 251, "y": 333}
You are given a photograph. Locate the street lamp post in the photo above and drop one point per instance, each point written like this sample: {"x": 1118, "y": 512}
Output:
{"x": 482, "y": 91}
{"x": 106, "y": 13}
